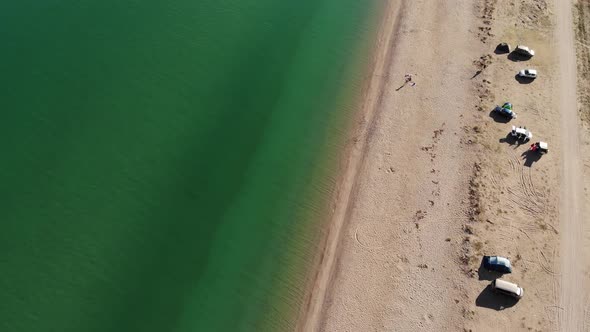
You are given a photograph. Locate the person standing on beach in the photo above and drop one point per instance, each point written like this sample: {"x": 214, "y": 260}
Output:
{"x": 407, "y": 79}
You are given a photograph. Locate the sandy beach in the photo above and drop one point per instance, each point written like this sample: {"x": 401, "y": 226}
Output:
{"x": 432, "y": 182}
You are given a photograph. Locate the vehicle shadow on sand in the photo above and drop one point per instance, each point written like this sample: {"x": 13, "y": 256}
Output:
{"x": 513, "y": 56}
{"x": 523, "y": 80}
{"x": 499, "y": 117}
{"x": 530, "y": 157}
{"x": 488, "y": 299}
{"x": 511, "y": 140}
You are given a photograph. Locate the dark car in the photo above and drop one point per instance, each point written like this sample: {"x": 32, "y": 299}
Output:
{"x": 503, "y": 48}
{"x": 497, "y": 263}
{"x": 505, "y": 112}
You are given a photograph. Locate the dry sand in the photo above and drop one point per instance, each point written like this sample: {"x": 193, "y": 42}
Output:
{"x": 431, "y": 183}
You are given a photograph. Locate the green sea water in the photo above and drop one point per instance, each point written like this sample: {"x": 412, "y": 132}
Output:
{"x": 165, "y": 164}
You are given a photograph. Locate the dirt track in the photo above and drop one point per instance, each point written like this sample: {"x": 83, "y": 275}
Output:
{"x": 574, "y": 285}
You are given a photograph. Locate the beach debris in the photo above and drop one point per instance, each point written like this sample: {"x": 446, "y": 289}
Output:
{"x": 468, "y": 229}
{"x": 437, "y": 133}
{"x": 419, "y": 215}
{"x": 483, "y": 62}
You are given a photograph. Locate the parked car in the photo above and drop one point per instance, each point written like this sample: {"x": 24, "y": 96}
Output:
{"x": 521, "y": 134}
{"x": 497, "y": 263}
{"x": 528, "y": 73}
{"x": 505, "y": 110}
{"x": 540, "y": 147}
{"x": 507, "y": 288}
{"x": 503, "y": 47}
{"x": 523, "y": 50}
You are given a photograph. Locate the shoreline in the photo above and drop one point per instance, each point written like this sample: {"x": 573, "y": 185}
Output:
{"x": 310, "y": 317}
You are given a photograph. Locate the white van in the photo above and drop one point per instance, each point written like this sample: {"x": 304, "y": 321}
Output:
{"x": 507, "y": 288}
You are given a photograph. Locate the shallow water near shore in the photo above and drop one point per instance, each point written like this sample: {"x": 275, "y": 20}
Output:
{"x": 166, "y": 164}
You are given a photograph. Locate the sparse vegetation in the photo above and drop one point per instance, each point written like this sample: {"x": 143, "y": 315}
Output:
{"x": 468, "y": 229}
{"x": 582, "y": 9}
{"x": 478, "y": 245}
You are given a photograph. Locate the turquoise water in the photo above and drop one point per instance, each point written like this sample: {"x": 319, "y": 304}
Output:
{"x": 165, "y": 162}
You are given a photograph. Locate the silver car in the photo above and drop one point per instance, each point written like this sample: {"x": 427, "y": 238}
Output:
{"x": 528, "y": 73}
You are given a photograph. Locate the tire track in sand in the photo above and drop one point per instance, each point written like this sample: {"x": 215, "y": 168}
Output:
{"x": 524, "y": 196}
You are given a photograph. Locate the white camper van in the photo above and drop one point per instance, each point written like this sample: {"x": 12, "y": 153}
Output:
{"x": 507, "y": 288}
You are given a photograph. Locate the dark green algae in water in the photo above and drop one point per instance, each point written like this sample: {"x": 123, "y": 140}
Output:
{"x": 166, "y": 162}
